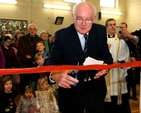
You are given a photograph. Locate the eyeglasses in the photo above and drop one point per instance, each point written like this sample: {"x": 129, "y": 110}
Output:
{"x": 32, "y": 29}
{"x": 80, "y": 20}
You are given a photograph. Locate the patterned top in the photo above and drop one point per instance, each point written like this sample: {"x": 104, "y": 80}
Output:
{"x": 46, "y": 101}
{"x": 25, "y": 105}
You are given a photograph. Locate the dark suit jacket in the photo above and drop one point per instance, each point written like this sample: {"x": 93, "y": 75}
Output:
{"x": 67, "y": 50}
{"x": 138, "y": 33}
{"x": 132, "y": 47}
{"x": 25, "y": 47}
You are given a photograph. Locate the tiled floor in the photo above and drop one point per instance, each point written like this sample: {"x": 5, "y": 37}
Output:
{"x": 135, "y": 103}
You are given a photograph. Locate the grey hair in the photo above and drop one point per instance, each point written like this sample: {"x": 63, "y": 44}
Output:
{"x": 43, "y": 32}
{"x": 88, "y": 3}
{"x": 33, "y": 25}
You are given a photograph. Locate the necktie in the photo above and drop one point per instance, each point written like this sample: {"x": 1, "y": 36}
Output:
{"x": 87, "y": 77}
{"x": 86, "y": 45}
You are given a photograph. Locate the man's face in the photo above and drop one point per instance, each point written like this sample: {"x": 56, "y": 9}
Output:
{"x": 123, "y": 27}
{"x": 111, "y": 27}
{"x": 32, "y": 30}
{"x": 83, "y": 19}
{"x": 44, "y": 36}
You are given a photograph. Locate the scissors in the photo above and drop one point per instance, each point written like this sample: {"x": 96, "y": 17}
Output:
{"x": 74, "y": 73}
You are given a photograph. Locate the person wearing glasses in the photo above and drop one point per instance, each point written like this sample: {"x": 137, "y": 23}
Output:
{"x": 26, "y": 52}
{"x": 80, "y": 91}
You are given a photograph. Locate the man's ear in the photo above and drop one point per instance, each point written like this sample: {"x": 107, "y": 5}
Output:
{"x": 36, "y": 30}
{"x": 73, "y": 17}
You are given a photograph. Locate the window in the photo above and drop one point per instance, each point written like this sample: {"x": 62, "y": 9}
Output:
{"x": 73, "y": 1}
{"x": 108, "y": 3}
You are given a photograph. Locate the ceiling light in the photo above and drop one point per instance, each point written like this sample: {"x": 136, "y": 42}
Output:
{"x": 111, "y": 12}
{"x": 73, "y": 1}
{"x": 8, "y": 1}
{"x": 57, "y": 6}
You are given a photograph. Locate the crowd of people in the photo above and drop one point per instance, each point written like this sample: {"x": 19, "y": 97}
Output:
{"x": 23, "y": 51}
{"x": 89, "y": 91}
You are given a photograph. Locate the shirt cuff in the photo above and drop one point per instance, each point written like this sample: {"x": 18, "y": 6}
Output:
{"x": 50, "y": 79}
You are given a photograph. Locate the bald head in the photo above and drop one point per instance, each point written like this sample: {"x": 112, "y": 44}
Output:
{"x": 84, "y": 5}
{"x": 83, "y": 17}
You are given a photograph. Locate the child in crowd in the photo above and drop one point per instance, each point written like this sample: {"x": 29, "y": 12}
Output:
{"x": 46, "y": 100}
{"x": 7, "y": 95}
{"x": 39, "y": 59}
{"x": 27, "y": 103}
{"x": 40, "y": 47}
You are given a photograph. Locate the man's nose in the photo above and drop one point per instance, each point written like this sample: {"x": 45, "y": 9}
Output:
{"x": 83, "y": 22}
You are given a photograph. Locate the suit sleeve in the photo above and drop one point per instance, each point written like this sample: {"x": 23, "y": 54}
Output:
{"x": 105, "y": 54}
{"x": 21, "y": 51}
{"x": 55, "y": 56}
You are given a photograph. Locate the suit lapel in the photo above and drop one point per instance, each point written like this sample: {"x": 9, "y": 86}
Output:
{"x": 92, "y": 42}
{"x": 76, "y": 42}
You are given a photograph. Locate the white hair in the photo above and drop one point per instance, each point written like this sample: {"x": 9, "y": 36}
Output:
{"x": 31, "y": 25}
{"x": 43, "y": 32}
{"x": 88, "y": 3}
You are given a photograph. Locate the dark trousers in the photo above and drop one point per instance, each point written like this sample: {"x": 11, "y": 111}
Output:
{"x": 112, "y": 107}
{"x": 84, "y": 97}
{"x": 137, "y": 74}
{"x": 24, "y": 81}
{"x": 131, "y": 81}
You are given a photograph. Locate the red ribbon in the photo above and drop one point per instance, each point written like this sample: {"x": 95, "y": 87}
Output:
{"x": 66, "y": 67}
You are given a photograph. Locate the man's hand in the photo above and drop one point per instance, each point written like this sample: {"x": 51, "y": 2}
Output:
{"x": 63, "y": 79}
{"x": 100, "y": 73}
{"x": 129, "y": 35}
{"x": 28, "y": 56}
{"x": 126, "y": 34}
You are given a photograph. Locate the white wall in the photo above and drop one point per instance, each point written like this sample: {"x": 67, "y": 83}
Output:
{"x": 133, "y": 16}
{"x": 33, "y": 11}
{"x": 118, "y": 18}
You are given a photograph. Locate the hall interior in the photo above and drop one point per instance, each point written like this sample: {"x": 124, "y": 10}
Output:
{"x": 33, "y": 11}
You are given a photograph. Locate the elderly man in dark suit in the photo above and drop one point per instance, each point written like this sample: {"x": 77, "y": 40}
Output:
{"x": 26, "y": 53}
{"x": 88, "y": 94}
